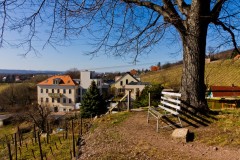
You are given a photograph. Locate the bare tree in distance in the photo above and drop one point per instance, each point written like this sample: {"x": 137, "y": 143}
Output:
{"x": 131, "y": 27}
{"x": 39, "y": 115}
{"x": 74, "y": 73}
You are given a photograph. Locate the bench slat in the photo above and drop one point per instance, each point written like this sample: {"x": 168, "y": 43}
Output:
{"x": 171, "y": 105}
{"x": 171, "y": 100}
{"x": 169, "y": 110}
{"x": 172, "y": 94}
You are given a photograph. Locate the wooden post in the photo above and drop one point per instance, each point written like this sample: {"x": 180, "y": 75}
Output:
{"x": 19, "y": 136}
{"x": 59, "y": 138}
{"x": 47, "y": 132}
{"x": 12, "y": 138}
{"x": 73, "y": 143}
{"x": 40, "y": 147}
{"x": 15, "y": 138}
{"x": 33, "y": 154}
{"x": 71, "y": 153}
{"x": 51, "y": 150}
{"x": 56, "y": 145}
{"x": 9, "y": 150}
{"x": 129, "y": 100}
{"x": 149, "y": 99}
{"x": 34, "y": 133}
{"x": 81, "y": 125}
{"x": 26, "y": 145}
{"x": 66, "y": 136}
{"x": 32, "y": 141}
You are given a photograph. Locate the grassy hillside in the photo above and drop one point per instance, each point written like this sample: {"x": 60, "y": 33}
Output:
{"x": 3, "y": 86}
{"x": 222, "y": 72}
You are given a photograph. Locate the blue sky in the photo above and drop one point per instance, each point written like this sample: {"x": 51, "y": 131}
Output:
{"x": 73, "y": 56}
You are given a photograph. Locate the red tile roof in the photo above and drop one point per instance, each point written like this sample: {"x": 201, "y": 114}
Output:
{"x": 65, "y": 81}
{"x": 225, "y": 91}
{"x": 237, "y": 57}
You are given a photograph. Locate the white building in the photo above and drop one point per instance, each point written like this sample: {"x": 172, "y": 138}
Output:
{"x": 86, "y": 78}
{"x": 60, "y": 93}
{"x": 128, "y": 82}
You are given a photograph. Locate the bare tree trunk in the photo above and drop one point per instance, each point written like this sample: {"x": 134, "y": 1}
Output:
{"x": 192, "y": 84}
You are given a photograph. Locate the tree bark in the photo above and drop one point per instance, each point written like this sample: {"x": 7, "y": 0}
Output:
{"x": 194, "y": 47}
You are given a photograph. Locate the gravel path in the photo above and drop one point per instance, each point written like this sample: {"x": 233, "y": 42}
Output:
{"x": 135, "y": 139}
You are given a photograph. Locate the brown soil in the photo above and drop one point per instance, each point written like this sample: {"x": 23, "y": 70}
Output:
{"x": 135, "y": 139}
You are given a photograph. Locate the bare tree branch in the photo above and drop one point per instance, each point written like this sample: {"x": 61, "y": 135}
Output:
{"x": 183, "y": 7}
{"x": 217, "y": 9}
{"x": 4, "y": 22}
{"x": 228, "y": 29}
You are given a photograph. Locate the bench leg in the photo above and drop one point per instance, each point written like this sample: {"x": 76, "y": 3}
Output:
{"x": 148, "y": 117}
{"x": 180, "y": 122}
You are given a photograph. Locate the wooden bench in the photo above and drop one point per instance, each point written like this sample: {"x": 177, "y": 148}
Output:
{"x": 169, "y": 105}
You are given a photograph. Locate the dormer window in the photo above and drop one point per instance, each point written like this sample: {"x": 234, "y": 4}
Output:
{"x": 56, "y": 81}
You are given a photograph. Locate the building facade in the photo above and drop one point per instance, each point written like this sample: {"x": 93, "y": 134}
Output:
{"x": 127, "y": 82}
{"x": 86, "y": 78}
{"x": 60, "y": 93}
{"x": 135, "y": 88}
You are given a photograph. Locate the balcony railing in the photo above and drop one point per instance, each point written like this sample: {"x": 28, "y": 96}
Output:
{"x": 55, "y": 95}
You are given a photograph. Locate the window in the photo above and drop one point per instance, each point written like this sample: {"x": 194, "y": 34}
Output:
{"x": 46, "y": 90}
{"x": 64, "y": 90}
{"x": 121, "y": 83}
{"x": 70, "y": 91}
{"x": 52, "y": 90}
{"x": 46, "y": 100}
{"x": 41, "y": 90}
{"x": 69, "y": 100}
{"x": 41, "y": 99}
{"x": 55, "y": 81}
{"x": 58, "y": 90}
{"x": 126, "y": 81}
{"x": 52, "y": 100}
{"x": 58, "y": 100}
{"x": 64, "y": 100}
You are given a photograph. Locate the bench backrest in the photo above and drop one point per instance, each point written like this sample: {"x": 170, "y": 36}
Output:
{"x": 171, "y": 101}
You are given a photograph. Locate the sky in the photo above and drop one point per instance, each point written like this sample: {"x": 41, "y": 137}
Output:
{"x": 74, "y": 56}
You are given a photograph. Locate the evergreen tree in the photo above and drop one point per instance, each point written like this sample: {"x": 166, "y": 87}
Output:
{"x": 93, "y": 103}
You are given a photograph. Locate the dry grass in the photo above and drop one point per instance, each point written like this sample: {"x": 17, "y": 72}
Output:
{"x": 222, "y": 72}
{"x": 224, "y": 131}
{"x": 3, "y": 86}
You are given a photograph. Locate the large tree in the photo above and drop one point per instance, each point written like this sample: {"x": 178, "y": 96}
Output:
{"x": 132, "y": 27}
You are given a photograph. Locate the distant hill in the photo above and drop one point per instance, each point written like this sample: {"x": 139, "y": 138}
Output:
{"x": 221, "y": 72}
{"x": 10, "y": 71}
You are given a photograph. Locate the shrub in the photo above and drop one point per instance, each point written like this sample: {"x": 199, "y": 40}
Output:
{"x": 142, "y": 100}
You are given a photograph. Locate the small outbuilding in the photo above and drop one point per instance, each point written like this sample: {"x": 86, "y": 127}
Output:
{"x": 5, "y": 119}
{"x": 224, "y": 92}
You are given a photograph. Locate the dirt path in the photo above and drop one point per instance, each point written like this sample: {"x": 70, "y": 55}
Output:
{"x": 135, "y": 139}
